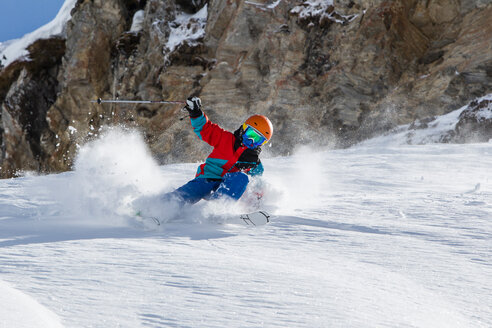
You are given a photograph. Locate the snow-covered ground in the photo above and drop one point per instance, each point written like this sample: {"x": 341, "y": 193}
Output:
{"x": 371, "y": 236}
{"x": 21, "y": 311}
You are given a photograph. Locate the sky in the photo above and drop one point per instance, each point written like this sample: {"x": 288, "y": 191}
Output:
{"x": 18, "y": 17}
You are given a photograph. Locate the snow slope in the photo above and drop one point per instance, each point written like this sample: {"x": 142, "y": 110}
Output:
{"x": 379, "y": 235}
{"x": 21, "y": 311}
{"x": 15, "y": 49}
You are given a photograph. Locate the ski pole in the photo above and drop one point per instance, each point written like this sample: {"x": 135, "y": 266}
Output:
{"x": 117, "y": 101}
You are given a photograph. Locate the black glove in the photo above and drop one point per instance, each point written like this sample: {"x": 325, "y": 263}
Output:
{"x": 194, "y": 107}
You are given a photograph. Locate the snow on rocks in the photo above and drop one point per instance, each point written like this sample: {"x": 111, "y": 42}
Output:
{"x": 470, "y": 123}
{"x": 320, "y": 12}
{"x": 15, "y": 49}
{"x": 475, "y": 122}
{"x": 312, "y": 8}
{"x": 187, "y": 29}
{"x": 137, "y": 22}
{"x": 264, "y": 7}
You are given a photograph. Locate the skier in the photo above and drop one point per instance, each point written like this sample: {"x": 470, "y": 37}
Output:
{"x": 234, "y": 157}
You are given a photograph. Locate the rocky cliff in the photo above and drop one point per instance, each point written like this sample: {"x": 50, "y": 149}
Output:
{"x": 326, "y": 73}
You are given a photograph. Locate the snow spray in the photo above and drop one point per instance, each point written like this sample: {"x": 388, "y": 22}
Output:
{"x": 301, "y": 181}
{"x": 109, "y": 173}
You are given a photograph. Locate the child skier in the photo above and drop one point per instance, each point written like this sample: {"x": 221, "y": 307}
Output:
{"x": 235, "y": 155}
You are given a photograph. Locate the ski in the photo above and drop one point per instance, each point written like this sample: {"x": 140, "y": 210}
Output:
{"x": 255, "y": 218}
{"x": 147, "y": 221}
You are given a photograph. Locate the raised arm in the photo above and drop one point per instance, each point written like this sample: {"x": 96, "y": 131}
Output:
{"x": 207, "y": 131}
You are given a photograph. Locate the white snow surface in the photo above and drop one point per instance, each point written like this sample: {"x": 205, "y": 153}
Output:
{"x": 378, "y": 235}
{"x": 15, "y": 49}
{"x": 21, "y": 311}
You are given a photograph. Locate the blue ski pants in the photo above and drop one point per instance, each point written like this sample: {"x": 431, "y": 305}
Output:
{"x": 232, "y": 185}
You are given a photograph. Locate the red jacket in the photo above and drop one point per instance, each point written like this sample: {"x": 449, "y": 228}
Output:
{"x": 229, "y": 154}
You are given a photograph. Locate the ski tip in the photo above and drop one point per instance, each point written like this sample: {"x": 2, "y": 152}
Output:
{"x": 267, "y": 216}
{"x": 149, "y": 222}
{"x": 256, "y": 218}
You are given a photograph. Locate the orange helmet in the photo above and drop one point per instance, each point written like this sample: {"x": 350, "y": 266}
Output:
{"x": 261, "y": 124}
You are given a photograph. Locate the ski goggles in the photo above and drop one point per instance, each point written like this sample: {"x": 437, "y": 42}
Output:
{"x": 252, "y": 138}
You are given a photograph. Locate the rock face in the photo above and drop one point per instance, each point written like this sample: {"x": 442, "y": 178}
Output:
{"x": 26, "y": 139}
{"x": 474, "y": 124}
{"x": 328, "y": 75}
